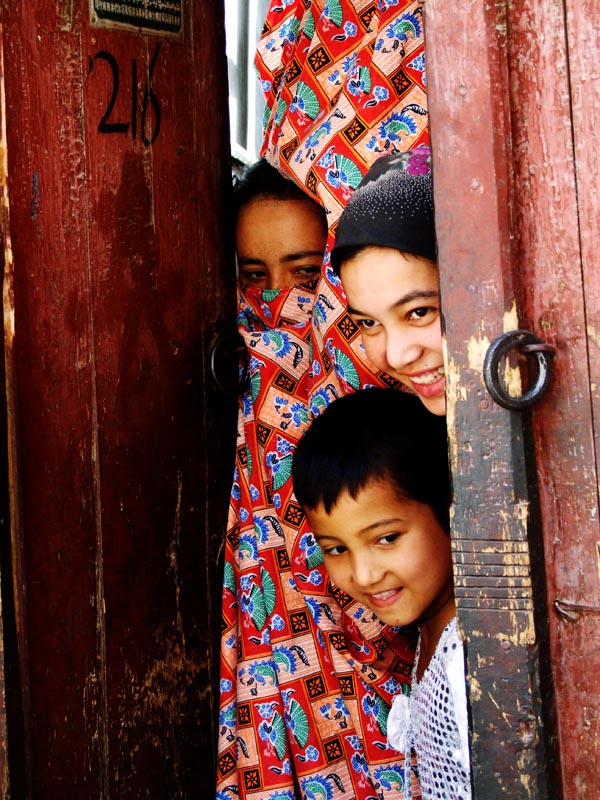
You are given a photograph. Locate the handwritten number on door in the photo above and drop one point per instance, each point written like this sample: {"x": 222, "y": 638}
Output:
{"x": 105, "y": 125}
{"x": 149, "y": 96}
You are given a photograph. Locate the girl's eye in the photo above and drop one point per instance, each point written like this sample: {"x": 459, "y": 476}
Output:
{"x": 308, "y": 271}
{"x": 367, "y": 325}
{"x": 422, "y": 313}
{"x": 389, "y": 538}
{"x": 253, "y": 276}
{"x": 336, "y": 550}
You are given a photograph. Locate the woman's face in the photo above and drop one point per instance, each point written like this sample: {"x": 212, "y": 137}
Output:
{"x": 395, "y": 301}
{"x": 279, "y": 243}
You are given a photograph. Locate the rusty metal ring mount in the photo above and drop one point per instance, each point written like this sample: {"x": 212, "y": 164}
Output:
{"x": 528, "y": 344}
{"x": 226, "y": 347}
{"x": 571, "y": 612}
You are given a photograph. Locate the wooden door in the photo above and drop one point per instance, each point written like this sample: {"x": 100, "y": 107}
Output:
{"x": 120, "y": 451}
{"x": 514, "y": 109}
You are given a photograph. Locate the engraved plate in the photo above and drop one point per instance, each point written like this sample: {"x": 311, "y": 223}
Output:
{"x": 159, "y": 17}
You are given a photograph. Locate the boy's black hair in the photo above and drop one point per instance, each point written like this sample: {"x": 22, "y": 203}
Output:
{"x": 374, "y": 434}
{"x": 260, "y": 179}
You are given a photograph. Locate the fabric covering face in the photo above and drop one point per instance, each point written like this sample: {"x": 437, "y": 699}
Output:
{"x": 307, "y": 674}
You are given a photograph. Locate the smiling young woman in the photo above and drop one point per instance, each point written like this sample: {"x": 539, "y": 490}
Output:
{"x": 384, "y": 253}
{"x": 394, "y": 299}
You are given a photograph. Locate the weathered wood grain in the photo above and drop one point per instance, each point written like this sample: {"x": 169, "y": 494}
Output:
{"x": 514, "y": 111}
{"x": 122, "y": 275}
{"x": 555, "y": 111}
{"x": 471, "y": 136}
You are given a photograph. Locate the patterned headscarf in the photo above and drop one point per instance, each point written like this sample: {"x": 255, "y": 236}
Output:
{"x": 391, "y": 207}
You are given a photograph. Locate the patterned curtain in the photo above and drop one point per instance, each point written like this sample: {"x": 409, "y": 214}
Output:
{"x": 307, "y": 674}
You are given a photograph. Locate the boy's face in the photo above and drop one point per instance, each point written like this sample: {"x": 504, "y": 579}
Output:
{"x": 389, "y": 553}
{"x": 395, "y": 301}
{"x": 279, "y": 243}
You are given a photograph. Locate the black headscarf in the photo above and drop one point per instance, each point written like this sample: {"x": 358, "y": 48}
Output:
{"x": 391, "y": 207}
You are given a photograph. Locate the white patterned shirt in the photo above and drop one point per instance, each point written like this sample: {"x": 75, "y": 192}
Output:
{"x": 433, "y": 721}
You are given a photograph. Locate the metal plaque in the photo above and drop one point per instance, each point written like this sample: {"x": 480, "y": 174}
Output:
{"x": 162, "y": 17}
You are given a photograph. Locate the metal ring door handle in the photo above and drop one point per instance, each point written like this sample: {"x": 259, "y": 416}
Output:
{"x": 529, "y": 344}
{"x": 227, "y": 354}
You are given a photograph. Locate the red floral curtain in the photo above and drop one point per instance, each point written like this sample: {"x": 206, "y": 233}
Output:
{"x": 307, "y": 674}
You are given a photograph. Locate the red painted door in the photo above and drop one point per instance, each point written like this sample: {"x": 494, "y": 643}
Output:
{"x": 117, "y": 275}
{"x": 514, "y": 109}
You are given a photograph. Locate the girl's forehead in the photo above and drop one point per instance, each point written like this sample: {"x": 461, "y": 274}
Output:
{"x": 381, "y": 273}
{"x": 286, "y": 219}
{"x": 297, "y": 206}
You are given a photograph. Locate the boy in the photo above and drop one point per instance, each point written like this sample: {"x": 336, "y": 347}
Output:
{"x": 371, "y": 474}
{"x": 385, "y": 255}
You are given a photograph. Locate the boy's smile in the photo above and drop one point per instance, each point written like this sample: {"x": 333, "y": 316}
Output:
{"x": 388, "y": 552}
{"x": 395, "y": 301}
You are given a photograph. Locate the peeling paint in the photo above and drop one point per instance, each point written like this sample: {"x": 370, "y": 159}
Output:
{"x": 503, "y": 714}
{"x": 452, "y": 393}
{"x": 174, "y": 553}
{"x": 593, "y": 335}
{"x": 512, "y": 374}
{"x": 477, "y": 347}
{"x": 65, "y": 15}
{"x": 510, "y": 319}
{"x": 475, "y": 692}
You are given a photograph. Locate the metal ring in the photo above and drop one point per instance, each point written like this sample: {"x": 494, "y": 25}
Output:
{"x": 491, "y": 368}
{"x": 226, "y": 346}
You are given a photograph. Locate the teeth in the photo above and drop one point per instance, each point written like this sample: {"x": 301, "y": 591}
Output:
{"x": 430, "y": 377}
{"x": 385, "y": 595}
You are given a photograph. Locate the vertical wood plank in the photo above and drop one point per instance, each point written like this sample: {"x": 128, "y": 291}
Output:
{"x": 557, "y": 222}
{"x": 6, "y": 399}
{"x": 583, "y": 31}
{"x": 125, "y": 453}
{"x": 471, "y": 137}
{"x": 55, "y": 539}
{"x": 159, "y": 259}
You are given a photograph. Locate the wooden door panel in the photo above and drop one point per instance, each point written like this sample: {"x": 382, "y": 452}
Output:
{"x": 583, "y": 39}
{"x": 10, "y": 695}
{"x": 551, "y": 222}
{"x": 121, "y": 277}
{"x": 516, "y": 210}
{"x": 470, "y": 130}
{"x": 563, "y": 294}
{"x": 55, "y": 545}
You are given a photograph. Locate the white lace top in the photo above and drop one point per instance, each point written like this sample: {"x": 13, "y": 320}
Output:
{"x": 433, "y": 721}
